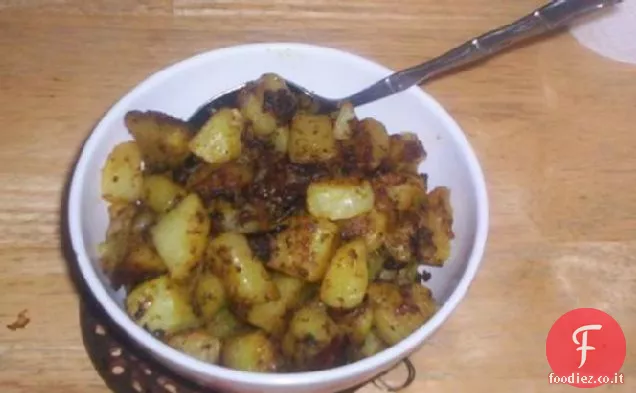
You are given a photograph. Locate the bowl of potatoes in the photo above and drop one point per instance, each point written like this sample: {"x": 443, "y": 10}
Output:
{"x": 268, "y": 247}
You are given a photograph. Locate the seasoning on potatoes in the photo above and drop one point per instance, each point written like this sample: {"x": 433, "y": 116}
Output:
{"x": 251, "y": 352}
{"x": 197, "y": 343}
{"x": 122, "y": 179}
{"x": 245, "y": 279}
{"x": 271, "y": 236}
{"x": 162, "y": 306}
{"x": 345, "y": 283}
{"x": 181, "y": 235}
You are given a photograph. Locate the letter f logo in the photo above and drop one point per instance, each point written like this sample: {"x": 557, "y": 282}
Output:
{"x": 583, "y": 344}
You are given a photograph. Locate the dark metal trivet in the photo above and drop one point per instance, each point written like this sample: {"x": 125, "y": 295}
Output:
{"x": 123, "y": 372}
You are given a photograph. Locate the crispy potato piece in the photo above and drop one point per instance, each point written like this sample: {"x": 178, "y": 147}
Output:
{"x": 438, "y": 219}
{"x": 161, "y": 306}
{"x": 347, "y": 278}
{"x": 399, "y": 191}
{"x": 219, "y": 140}
{"x": 305, "y": 248}
{"x": 311, "y": 139}
{"x": 280, "y": 139}
{"x": 161, "y": 194}
{"x": 340, "y": 199}
{"x": 342, "y": 128}
{"x": 251, "y": 352}
{"x": 228, "y": 218}
{"x": 400, "y": 310}
{"x": 246, "y": 280}
{"x": 267, "y": 104}
{"x": 357, "y": 323}
{"x": 375, "y": 260}
{"x": 372, "y": 345}
{"x": 197, "y": 343}
{"x": 122, "y": 179}
{"x": 180, "y": 237}
{"x": 142, "y": 262}
{"x": 406, "y": 153}
{"x": 313, "y": 341}
{"x": 370, "y": 142}
{"x": 225, "y": 324}
{"x": 162, "y": 139}
{"x": 115, "y": 248}
{"x": 228, "y": 179}
{"x": 209, "y": 295}
{"x": 271, "y": 316}
{"x": 372, "y": 227}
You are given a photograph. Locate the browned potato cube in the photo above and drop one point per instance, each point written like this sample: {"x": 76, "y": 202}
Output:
{"x": 311, "y": 139}
{"x": 305, "y": 248}
{"x": 162, "y": 139}
{"x": 161, "y": 306}
{"x": 399, "y": 311}
{"x": 122, "y": 179}
{"x": 246, "y": 280}
{"x": 347, "y": 278}
{"x": 406, "y": 152}
{"x": 197, "y": 343}
{"x": 251, "y": 352}
{"x": 180, "y": 237}
{"x": 313, "y": 341}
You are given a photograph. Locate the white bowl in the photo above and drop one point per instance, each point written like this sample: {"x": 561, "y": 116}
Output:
{"x": 179, "y": 89}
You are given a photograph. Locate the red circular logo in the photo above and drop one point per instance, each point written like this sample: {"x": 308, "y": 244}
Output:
{"x": 586, "y": 348}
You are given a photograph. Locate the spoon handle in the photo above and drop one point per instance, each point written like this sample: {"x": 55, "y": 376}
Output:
{"x": 551, "y": 16}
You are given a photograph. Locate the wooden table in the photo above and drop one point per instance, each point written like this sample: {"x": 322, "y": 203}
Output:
{"x": 553, "y": 125}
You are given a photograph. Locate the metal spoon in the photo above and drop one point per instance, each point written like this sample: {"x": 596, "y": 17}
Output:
{"x": 556, "y": 14}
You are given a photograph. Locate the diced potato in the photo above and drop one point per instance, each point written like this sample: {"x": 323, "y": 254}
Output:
{"x": 161, "y": 306}
{"x": 305, "y": 248}
{"x": 251, "y": 105}
{"x": 246, "y": 280}
{"x": 438, "y": 220}
{"x": 115, "y": 248}
{"x": 267, "y": 104}
{"x": 197, "y": 343}
{"x": 251, "y": 352}
{"x": 357, "y": 323}
{"x": 122, "y": 179}
{"x": 370, "y": 142}
{"x": 271, "y": 316}
{"x": 371, "y": 346}
{"x": 229, "y": 218}
{"x": 209, "y": 295}
{"x": 227, "y": 179}
{"x": 180, "y": 237}
{"x": 219, "y": 140}
{"x": 225, "y": 324}
{"x": 400, "y": 191}
{"x": 399, "y": 311}
{"x": 313, "y": 341}
{"x": 405, "y": 152}
{"x": 162, "y": 139}
{"x": 340, "y": 199}
{"x": 342, "y": 125}
{"x": 161, "y": 194}
{"x": 141, "y": 262}
{"x": 280, "y": 139}
{"x": 347, "y": 278}
{"x": 375, "y": 261}
{"x": 311, "y": 139}
{"x": 372, "y": 227}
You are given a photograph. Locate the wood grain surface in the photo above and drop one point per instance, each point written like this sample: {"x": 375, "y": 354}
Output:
{"x": 553, "y": 124}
